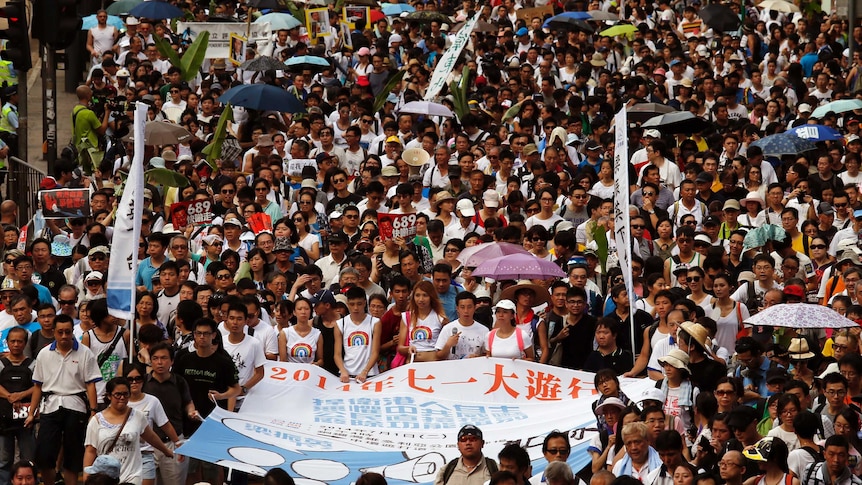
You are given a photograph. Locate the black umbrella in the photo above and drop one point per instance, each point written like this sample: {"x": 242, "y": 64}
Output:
{"x": 426, "y": 16}
{"x": 263, "y": 63}
{"x": 720, "y": 17}
{"x": 569, "y": 24}
{"x": 677, "y": 122}
{"x": 271, "y": 4}
{"x": 644, "y": 111}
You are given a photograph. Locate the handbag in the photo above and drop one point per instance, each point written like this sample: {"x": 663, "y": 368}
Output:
{"x": 399, "y": 358}
{"x": 556, "y": 359}
{"x": 116, "y": 438}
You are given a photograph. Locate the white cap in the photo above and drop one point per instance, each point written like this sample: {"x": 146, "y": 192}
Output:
{"x": 132, "y": 21}
{"x": 505, "y": 305}
{"x": 653, "y": 133}
{"x": 465, "y": 207}
{"x": 491, "y": 198}
{"x": 804, "y": 108}
{"x": 394, "y": 38}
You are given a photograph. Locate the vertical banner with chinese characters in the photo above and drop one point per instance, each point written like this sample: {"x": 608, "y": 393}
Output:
{"x": 622, "y": 217}
{"x": 403, "y": 423}
{"x": 449, "y": 58}
{"x": 123, "y": 265}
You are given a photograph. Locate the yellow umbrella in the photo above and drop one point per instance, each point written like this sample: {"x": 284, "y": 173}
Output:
{"x": 623, "y": 29}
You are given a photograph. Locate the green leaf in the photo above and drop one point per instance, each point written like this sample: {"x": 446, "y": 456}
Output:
{"x": 213, "y": 150}
{"x": 194, "y": 56}
{"x": 166, "y": 178}
{"x": 601, "y": 238}
{"x": 390, "y": 85}
{"x": 167, "y": 52}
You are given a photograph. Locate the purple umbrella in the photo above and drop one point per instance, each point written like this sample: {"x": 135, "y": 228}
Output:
{"x": 517, "y": 267}
{"x": 476, "y": 255}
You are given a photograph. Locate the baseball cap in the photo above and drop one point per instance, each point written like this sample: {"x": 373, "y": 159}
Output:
{"x": 94, "y": 276}
{"x": 233, "y": 221}
{"x": 522, "y": 31}
{"x": 731, "y": 204}
{"x": 703, "y": 177}
{"x": 394, "y": 38}
{"x": 530, "y": 149}
{"x": 264, "y": 140}
{"x": 364, "y": 51}
{"x": 465, "y": 207}
{"x": 592, "y": 145}
{"x": 703, "y": 239}
{"x": 105, "y": 465}
{"x": 390, "y": 171}
{"x": 491, "y": 198}
{"x": 98, "y": 250}
{"x": 711, "y": 221}
{"x": 393, "y": 139}
{"x": 323, "y": 296}
{"x": 652, "y": 133}
{"x": 211, "y": 239}
{"x": 794, "y": 291}
{"x": 322, "y": 157}
{"x": 804, "y": 108}
{"x": 505, "y": 305}
{"x": 470, "y": 430}
{"x": 825, "y": 208}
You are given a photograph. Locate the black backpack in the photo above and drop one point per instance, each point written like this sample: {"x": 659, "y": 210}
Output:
{"x": 14, "y": 378}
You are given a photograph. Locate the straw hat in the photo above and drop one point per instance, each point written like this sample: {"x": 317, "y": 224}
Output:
{"x": 799, "y": 350}
{"x": 699, "y": 333}
{"x": 540, "y": 294}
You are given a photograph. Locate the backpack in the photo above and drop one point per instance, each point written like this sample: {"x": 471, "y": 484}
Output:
{"x": 490, "y": 464}
{"x": 518, "y": 335}
{"x": 14, "y": 378}
{"x": 752, "y": 302}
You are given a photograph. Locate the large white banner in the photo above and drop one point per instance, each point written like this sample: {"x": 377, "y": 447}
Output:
{"x": 450, "y": 57}
{"x": 622, "y": 217}
{"x": 403, "y": 423}
{"x": 219, "y": 45}
{"x": 127, "y": 230}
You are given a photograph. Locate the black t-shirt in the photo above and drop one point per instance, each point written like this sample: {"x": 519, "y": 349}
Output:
{"x": 52, "y": 279}
{"x": 705, "y": 374}
{"x": 339, "y": 203}
{"x": 620, "y": 361}
{"x": 578, "y": 345}
{"x": 174, "y": 395}
{"x": 203, "y": 374}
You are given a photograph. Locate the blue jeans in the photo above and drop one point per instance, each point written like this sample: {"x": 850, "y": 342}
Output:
{"x": 26, "y": 448}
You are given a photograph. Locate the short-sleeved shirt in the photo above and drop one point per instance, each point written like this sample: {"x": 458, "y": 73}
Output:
{"x": 86, "y": 124}
{"x": 216, "y": 372}
{"x": 174, "y": 396}
{"x": 65, "y": 376}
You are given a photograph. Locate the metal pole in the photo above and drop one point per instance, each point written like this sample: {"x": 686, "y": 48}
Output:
{"x": 49, "y": 104}
{"x": 22, "y": 114}
{"x": 851, "y": 22}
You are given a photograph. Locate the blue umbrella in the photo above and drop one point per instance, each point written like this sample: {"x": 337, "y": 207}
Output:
{"x": 392, "y": 9}
{"x": 838, "y": 107}
{"x": 566, "y": 19}
{"x": 279, "y": 21}
{"x": 784, "y": 144}
{"x": 816, "y": 132}
{"x": 306, "y": 63}
{"x": 155, "y": 10}
{"x": 90, "y": 21}
{"x": 262, "y": 97}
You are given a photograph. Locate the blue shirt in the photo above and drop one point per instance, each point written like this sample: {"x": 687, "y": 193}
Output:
{"x": 760, "y": 380}
{"x": 146, "y": 270}
{"x": 448, "y": 301}
{"x": 31, "y": 328}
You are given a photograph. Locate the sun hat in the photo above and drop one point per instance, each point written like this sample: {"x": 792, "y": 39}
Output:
{"x": 798, "y": 349}
{"x": 611, "y": 402}
{"x": 676, "y": 358}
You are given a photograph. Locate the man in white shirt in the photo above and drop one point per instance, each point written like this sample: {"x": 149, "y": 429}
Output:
{"x": 462, "y": 338}
{"x": 331, "y": 265}
{"x": 246, "y": 351}
{"x": 262, "y": 331}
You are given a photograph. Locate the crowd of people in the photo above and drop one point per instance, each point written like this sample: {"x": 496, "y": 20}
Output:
{"x": 297, "y": 264}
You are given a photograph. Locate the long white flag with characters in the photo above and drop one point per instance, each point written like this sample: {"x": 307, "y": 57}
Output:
{"x": 403, "y": 423}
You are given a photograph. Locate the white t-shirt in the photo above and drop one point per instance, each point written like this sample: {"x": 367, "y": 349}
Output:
{"x": 423, "y": 335}
{"x": 152, "y": 408}
{"x": 357, "y": 341}
{"x": 507, "y": 347}
{"x": 471, "y": 341}
{"x": 267, "y": 335}
{"x": 301, "y": 350}
{"x": 247, "y": 356}
{"x": 100, "y": 435}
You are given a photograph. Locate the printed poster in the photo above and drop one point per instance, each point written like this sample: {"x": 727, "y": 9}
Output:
{"x": 192, "y": 213}
{"x": 317, "y": 22}
{"x": 64, "y": 203}
{"x": 396, "y": 225}
{"x": 237, "y": 49}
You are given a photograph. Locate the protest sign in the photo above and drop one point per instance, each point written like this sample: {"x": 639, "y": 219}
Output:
{"x": 219, "y": 45}
{"x": 450, "y": 58}
{"x": 259, "y": 222}
{"x": 317, "y": 22}
{"x": 403, "y": 423}
{"x": 237, "y": 49}
{"x": 396, "y": 225}
{"x": 295, "y": 166}
{"x": 63, "y": 203}
{"x": 527, "y": 14}
{"x": 192, "y": 213}
{"x": 354, "y": 13}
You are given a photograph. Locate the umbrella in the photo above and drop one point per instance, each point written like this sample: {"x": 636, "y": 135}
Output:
{"x": 784, "y": 144}
{"x": 90, "y": 21}
{"x": 155, "y": 10}
{"x": 476, "y": 255}
{"x": 162, "y": 133}
{"x": 426, "y": 108}
{"x": 262, "y": 97}
{"x": 518, "y": 267}
{"x": 758, "y": 236}
{"x": 306, "y": 63}
{"x": 569, "y": 21}
{"x": 363, "y": 3}
{"x": 377, "y": 15}
{"x": 279, "y": 21}
{"x": 840, "y": 106}
{"x": 271, "y": 4}
{"x": 262, "y": 63}
{"x": 801, "y": 315}
{"x": 816, "y": 132}
{"x": 602, "y": 15}
{"x": 393, "y": 9}
{"x": 481, "y": 26}
{"x": 677, "y": 122}
{"x": 122, "y": 7}
{"x": 428, "y": 16}
{"x": 622, "y": 29}
{"x": 719, "y": 17}
{"x": 778, "y": 6}
{"x": 644, "y": 111}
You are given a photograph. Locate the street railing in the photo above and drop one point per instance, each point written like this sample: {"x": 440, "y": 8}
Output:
{"x": 22, "y": 186}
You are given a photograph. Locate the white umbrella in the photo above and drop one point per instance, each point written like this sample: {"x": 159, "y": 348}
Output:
{"x": 801, "y": 315}
{"x": 427, "y": 108}
{"x": 778, "y": 6}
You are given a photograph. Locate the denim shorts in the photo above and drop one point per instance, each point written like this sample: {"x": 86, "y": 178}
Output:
{"x": 148, "y": 466}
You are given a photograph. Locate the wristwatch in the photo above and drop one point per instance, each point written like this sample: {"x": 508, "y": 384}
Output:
{"x": 244, "y": 390}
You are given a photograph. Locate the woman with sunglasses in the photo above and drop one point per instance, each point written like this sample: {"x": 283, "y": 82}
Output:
{"x": 152, "y": 408}
{"x": 450, "y": 255}
{"x": 536, "y": 242}
{"x": 118, "y": 431}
